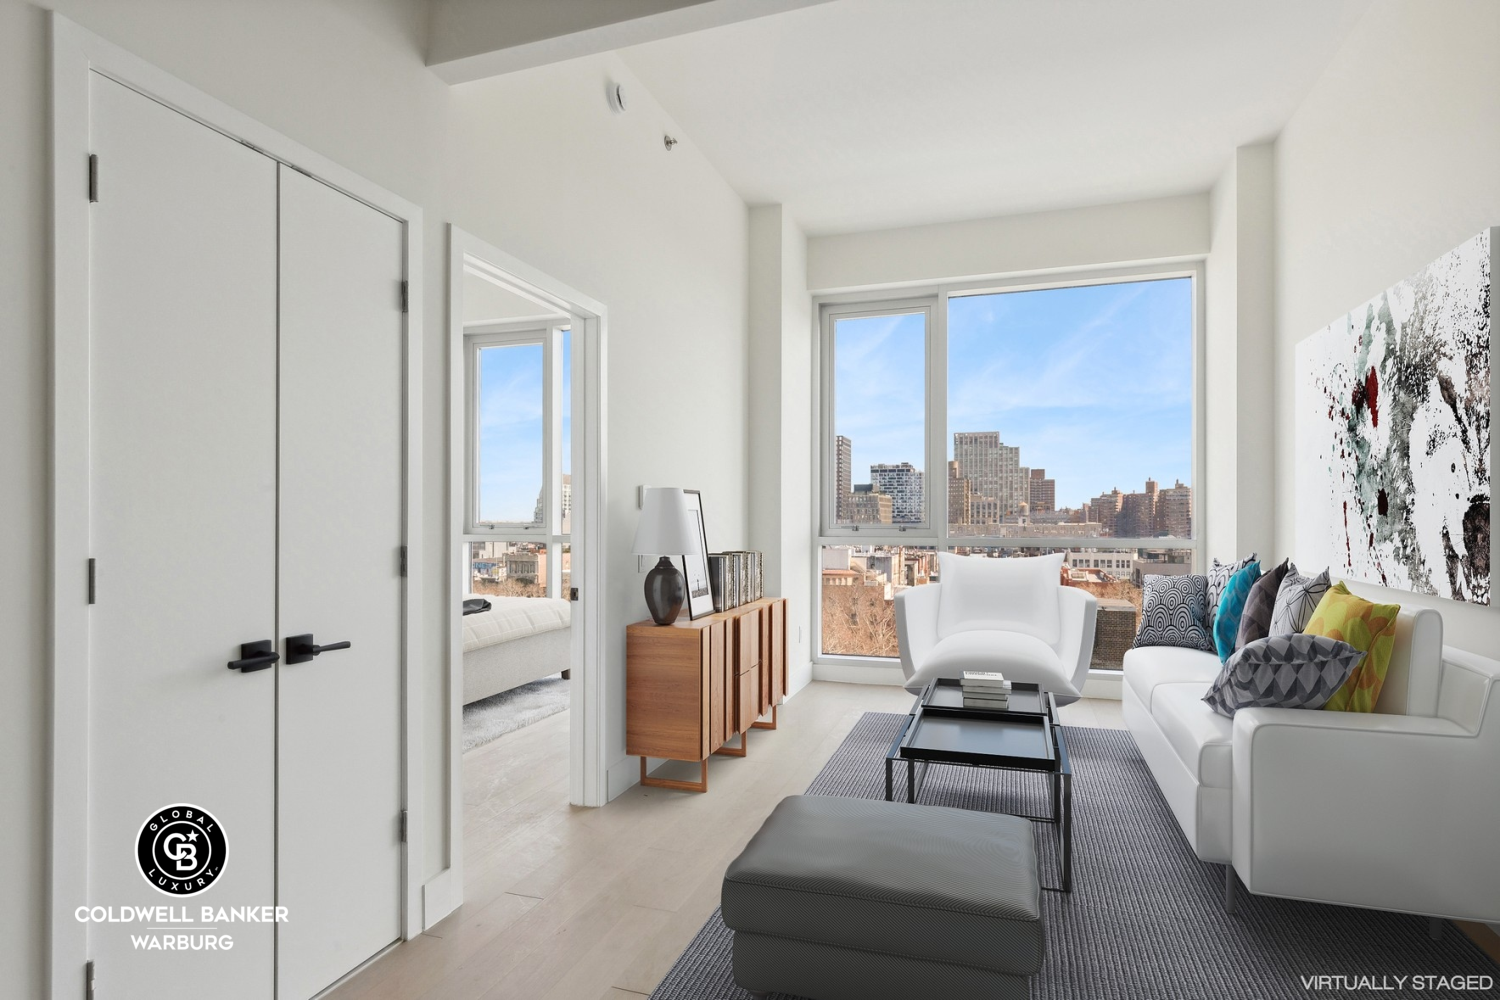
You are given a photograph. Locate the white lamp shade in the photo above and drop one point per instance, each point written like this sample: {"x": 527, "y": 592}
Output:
{"x": 667, "y": 526}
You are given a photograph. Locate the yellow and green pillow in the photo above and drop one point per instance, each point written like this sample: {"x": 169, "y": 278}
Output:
{"x": 1370, "y": 628}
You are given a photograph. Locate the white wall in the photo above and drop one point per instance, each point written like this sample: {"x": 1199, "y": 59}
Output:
{"x": 1099, "y": 236}
{"x": 781, "y": 406}
{"x": 1392, "y": 160}
{"x": 1238, "y": 342}
{"x": 538, "y": 165}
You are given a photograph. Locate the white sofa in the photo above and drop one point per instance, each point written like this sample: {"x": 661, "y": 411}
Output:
{"x": 1393, "y": 810}
{"x": 930, "y": 650}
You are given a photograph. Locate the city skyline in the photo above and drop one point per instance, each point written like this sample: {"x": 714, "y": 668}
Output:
{"x": 1092, "y": 382}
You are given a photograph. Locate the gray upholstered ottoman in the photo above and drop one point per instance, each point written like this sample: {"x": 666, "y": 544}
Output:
{"x": 855, "y": 898}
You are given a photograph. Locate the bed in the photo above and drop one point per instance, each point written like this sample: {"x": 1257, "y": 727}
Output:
{"x": 519, "y": 640}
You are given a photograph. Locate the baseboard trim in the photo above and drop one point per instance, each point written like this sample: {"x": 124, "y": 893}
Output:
{"x": 622, "y": 775}
{"x": 1483, "y": 935}
{"x": 441, "y": 895}
{"x": 1105, "y": 684}
{"x": 846, "y": 673}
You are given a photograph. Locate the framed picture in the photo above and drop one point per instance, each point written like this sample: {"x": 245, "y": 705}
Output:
{"x": 700, "y": 597}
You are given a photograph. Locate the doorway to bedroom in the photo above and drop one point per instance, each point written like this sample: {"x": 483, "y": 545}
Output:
{"x": 525, "y": 611}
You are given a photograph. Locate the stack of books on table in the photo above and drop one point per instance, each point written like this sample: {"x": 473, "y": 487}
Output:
{"x": 986, "y": 689}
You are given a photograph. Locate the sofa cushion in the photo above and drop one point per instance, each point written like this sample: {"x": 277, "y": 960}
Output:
{"x": 1231, "y": 605}
{"x": 1013, "y": 594}
{"x": 1370, "y": 628}
{"x": 1282, "y": 671}
{"x": 1197, "y": 734}
{"x": 1151, "y": 666}
{"x": 1296, "y": 600}
{"x": 1019, "y": 657}
{"x": 1218, "y": 577}
{"x": 1174, "y": 613}
{"x": 1255, "y": 621}
{"x": 926, "y": 882}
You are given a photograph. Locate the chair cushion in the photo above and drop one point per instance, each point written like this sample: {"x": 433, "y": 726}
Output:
{"x": 927, "y": 882}
{"x": 1200, "y": 736}
{"x": 1019, "y": 657}
{"x": 1151, "y": 666}
{"x": 1012, "y": 594}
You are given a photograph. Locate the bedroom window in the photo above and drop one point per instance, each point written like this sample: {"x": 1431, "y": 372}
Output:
{"x": 1006, "y": 419}
{"x": 518, "y": 509}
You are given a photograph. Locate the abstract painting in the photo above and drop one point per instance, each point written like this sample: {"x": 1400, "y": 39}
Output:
{"x": 1393, "y": 433}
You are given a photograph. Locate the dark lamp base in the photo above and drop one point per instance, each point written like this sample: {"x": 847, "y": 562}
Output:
{"x": 665, "y": 591}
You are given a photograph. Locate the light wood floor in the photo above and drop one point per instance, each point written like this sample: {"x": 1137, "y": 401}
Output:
{"x": 566, "y": 903}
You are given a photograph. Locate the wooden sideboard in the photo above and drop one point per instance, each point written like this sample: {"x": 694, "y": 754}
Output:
{"x": 692, "y": 686}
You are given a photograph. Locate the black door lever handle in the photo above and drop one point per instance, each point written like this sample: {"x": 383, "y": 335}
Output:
{"x": 256, "y": 655}
{"x": 302, "y": 648}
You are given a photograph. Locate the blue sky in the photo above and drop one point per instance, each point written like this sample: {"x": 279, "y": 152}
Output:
{"x": 1094, "y": 383}
{"x": 510, "y": 429}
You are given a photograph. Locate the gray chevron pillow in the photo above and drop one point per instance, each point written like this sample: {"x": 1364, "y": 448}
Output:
{"x": 1296, "y": 600}
{"x": 1173, "y": 611}
{"x": 1286, "y": 671}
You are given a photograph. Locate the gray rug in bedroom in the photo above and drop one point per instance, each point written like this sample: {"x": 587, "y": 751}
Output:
{"x": 490, "y": 718}
{"x": 1144, "y": 919}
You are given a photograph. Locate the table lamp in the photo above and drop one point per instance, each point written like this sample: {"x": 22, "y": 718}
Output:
{"x": 666, "y": 529}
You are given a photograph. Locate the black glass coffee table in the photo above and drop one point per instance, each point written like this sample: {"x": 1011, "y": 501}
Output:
{"x": 1024, "y": 737}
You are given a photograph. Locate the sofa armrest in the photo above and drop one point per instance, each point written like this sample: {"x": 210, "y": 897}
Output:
{"x": 1078, "y": 612}
{"x": 1385, "y": 811}
{"x": 916, "y": 625}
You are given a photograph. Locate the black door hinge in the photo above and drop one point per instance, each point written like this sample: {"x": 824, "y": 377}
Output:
{"x": 88, "y": 980}
{"x": 403, "y": 826}
{"x": 401, "y": 559}
{"x": 572, "y": 593}
{"x": 91, "y": 581}
{"x": 93, "y": 177}
{"x": 405, "y": 293}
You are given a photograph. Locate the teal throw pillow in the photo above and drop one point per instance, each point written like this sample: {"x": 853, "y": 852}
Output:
{"x": 1231, "y": 607}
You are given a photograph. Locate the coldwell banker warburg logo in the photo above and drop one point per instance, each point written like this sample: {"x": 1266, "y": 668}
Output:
{"x": 181, "y": 850}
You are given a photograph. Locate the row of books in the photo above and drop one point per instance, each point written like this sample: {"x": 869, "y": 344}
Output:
{"x": 985, "y": 689}
{"x": 735, "y": 578}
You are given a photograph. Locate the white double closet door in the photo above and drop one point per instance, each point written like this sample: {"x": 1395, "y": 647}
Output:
{"x": 246, "y": 412}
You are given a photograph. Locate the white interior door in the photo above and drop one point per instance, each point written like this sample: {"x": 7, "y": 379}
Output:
{"x": 183, "y": 530}
{"x": 341, "y": 527}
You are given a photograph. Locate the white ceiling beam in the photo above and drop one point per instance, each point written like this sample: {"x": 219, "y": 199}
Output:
{"x": 475, "y": 39}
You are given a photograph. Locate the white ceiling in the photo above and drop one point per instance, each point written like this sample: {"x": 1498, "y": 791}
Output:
{"x": 865, "y": 114}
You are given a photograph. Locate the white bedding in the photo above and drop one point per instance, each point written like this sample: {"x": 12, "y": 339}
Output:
{"x": 514, "y": 618}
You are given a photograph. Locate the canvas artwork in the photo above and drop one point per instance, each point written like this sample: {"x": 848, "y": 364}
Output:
{"x": 1393, "y": 433}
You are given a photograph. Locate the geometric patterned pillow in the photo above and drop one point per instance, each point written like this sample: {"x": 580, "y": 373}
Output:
{"x": 1218, "y": 578}
{"x": 1296, "y": 600}
{"x": 1285, "y": 671}
{"x": 1172, "y": 613}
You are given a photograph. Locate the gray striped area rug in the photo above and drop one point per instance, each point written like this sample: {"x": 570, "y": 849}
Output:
{"x": 1145, "y": 918}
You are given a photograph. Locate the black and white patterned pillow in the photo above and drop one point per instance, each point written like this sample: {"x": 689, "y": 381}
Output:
{"x": 1284, "y": 671}
{"x": 1218, "y": 578}
{"x": 1296, "y": 600}
{"x": 1172, "y": 613}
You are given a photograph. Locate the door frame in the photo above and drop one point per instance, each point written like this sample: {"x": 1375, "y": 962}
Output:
{"x": 587, "y": 764}
{"x": 76, "y": 53}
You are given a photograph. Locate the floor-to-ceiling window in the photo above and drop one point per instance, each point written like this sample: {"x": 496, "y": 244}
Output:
{"x": 1007, "y": 419}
